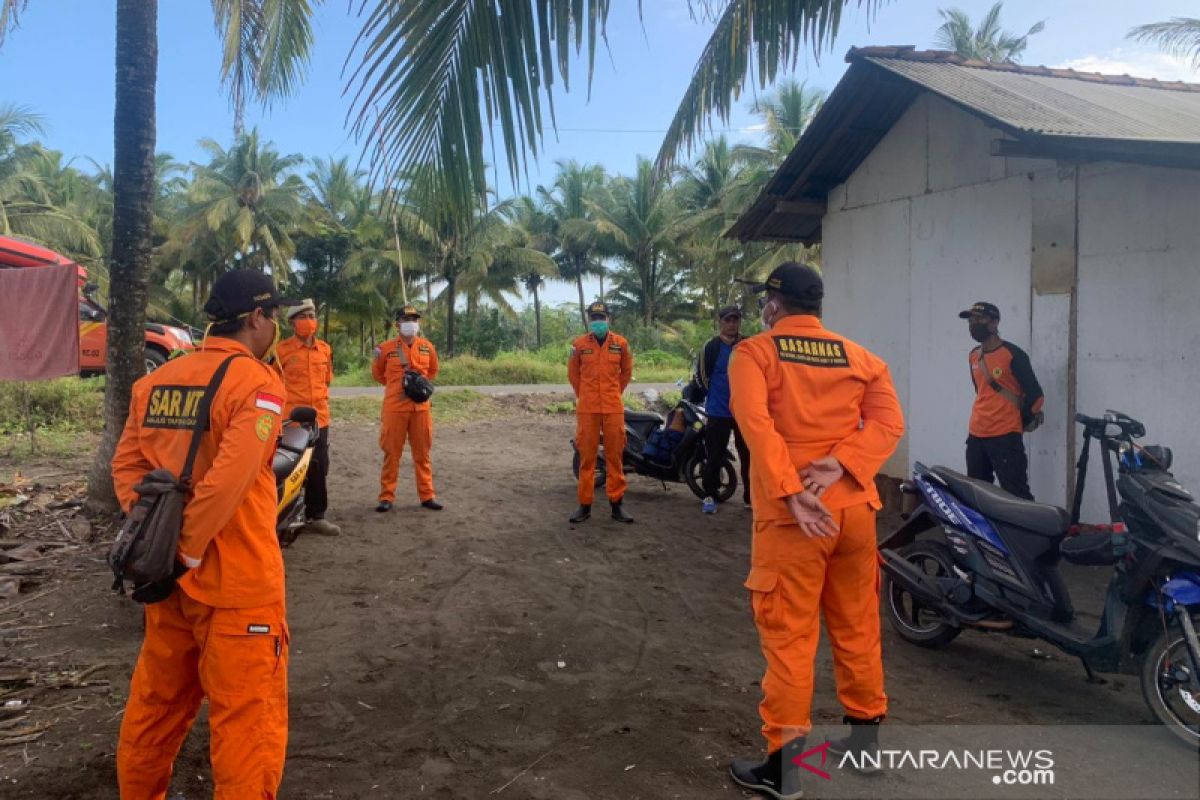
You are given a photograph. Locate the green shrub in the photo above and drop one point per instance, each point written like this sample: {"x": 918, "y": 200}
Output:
{"x": 561, "y": 407}
{"x": 66, "y": 405}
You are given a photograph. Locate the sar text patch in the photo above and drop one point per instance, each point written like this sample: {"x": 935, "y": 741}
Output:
{"x": 173, "y": 407}
{"x": 811, "y": 352}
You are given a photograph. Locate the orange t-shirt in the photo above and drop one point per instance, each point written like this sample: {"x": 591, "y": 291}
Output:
{"x": 993, "y": 414}
{"x": 306, "y": 372}
{"x": 599, "y": 373}
{"x": 229, "y": 519}
{"x": 800, "y": 392}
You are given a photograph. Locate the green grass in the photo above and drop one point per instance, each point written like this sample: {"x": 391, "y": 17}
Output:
{"x": 548, "y": 365}
{"x": 57, "y": 413}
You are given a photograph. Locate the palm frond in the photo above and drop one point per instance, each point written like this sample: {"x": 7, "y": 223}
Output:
{"x": 1179, "y": 36}
{"x": 752, "y": 39}
{"x": 10, "y": 15}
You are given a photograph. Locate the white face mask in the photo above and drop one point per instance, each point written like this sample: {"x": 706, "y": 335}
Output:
{"x": 409, "y": 328}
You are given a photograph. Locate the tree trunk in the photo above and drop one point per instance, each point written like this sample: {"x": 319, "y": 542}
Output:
{"x": 601, "y": 283}
{"x": 326, "y": 335}
{"x": 451, "y": 299}
{"x": 133, "y": 217}
{"x": 579, "y": 283}
{"x": 537, "y": 316}
{"x": 429, "y": 298}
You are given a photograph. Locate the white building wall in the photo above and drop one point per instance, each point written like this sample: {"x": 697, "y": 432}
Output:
{"x": 928, "y": 224}
{"x": 1139, "y": 306}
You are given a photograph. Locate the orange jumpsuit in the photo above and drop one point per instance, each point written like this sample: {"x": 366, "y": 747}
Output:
{"x": 402, "y": 418}
{"x": 800, "y": 393}
{"x": 223, "y": 635}
{"x": 599, "y": 373}
{"x": 307, "y": 373}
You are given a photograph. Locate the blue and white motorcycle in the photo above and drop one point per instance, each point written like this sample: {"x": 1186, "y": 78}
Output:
{"x": 973, "y": 556}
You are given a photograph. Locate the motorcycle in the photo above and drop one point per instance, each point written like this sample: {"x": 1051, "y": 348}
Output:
{"x": 651, "y": 451}
{"x": 291, "y": 461}
{"x": 992, "y": 565}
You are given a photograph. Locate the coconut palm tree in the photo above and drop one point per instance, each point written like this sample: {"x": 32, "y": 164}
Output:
{"x": 536, "y": 229}
{"x": 250, "y": 197}
{"x": 650, "y": 220}
{"x": 423, "y": 67}
{"x": 571, "y": 203}
{"x": 988, "y": 42}
{"x": 1179, "y": 36}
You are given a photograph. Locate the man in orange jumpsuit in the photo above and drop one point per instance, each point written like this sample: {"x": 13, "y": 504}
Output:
{"x": 404, "y": 419}
{"x": 221, "y": 632}
{"x": 600, "y": 367}
{"x": 306, "y": 365}
{"x": 820, "y": 417}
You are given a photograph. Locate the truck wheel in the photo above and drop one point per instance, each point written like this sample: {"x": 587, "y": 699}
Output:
{"x": 154, "y": 359}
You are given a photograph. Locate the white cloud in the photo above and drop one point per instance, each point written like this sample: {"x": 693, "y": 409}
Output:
{"x": 1138, "y": 63}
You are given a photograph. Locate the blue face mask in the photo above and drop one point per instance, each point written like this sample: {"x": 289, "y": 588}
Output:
{"x": 599, "y": 328}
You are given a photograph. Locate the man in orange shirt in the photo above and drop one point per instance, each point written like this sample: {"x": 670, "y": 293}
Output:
{"x": 1008, "y": 402}
{"x": 306, "y": 365}
{"x": 599, "y": 367}
{"x": 820, "y": 417}
{"x": 404, "y": 419}
{"x": 221, "y": 633}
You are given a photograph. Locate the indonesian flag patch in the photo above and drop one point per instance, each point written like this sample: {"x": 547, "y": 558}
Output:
{"x": 269, "y": 402}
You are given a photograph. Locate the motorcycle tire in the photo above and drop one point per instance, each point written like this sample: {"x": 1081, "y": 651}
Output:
{"x": 1181, "y": 717}
{"x": 935, "y": 634}
{"x": 693, "y": 474}
{"x": 601, "y": 468}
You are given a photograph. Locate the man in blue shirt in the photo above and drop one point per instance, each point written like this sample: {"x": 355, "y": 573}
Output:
{"x": 711, "y": 384}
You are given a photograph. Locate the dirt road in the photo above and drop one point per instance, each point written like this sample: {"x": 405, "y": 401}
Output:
{"x": 492, "y": 650}
{"x": 498, "y": 390}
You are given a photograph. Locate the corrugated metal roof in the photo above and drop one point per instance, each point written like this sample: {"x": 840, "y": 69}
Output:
{"x": 1060, "y": 106}
{"x": 1046, "y": 112}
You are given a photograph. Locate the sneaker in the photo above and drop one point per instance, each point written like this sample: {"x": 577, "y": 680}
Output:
{"x": 708, "y": 506}
{"x": 432, "y": 504}
{"x": 618, "y": 513}
{"x": 582, "y": 514}
{"x": 322, "y": 527}
{"x": 768, "y": 777}
{"x": 862, "y": 744}
{"x": 384, "y": 506}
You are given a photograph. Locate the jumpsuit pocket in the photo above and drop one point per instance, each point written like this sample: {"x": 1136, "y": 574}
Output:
{"x": 765, "y": 600}
{"x": 242, "y": 652}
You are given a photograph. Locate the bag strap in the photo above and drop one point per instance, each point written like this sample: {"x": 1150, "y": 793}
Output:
{"x": 402, "y": 354}
{"x": 202, "y": 415}
{"x": 1003, "y": 391}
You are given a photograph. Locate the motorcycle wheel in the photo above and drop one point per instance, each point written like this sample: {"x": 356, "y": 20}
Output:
{"x": 601, "y": 468}
{"x": 693, "y": 473}
{"x": 1165, "y": 669}
{"x": 912, "y": 621}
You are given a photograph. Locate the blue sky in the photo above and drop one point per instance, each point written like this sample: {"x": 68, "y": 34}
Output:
{"x": 60, "y": 64}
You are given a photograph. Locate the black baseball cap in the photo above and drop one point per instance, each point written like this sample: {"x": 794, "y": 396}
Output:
{"x": 407, "y": 311}
{"x": 240, "y": 291}
{"x": 729, "y": 311}
{"x": 795, "y": 281}
{"x": 984, "y": 309}
{"x": 598, "y": 308}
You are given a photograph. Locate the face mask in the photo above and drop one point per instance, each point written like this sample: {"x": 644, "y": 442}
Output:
{"x": 979, "y": 331}
{"x": 409, "y": 328}
{"x": 599, "y": 328}
{"x": 304, "y": 328}
{"x": 767, "y": 312}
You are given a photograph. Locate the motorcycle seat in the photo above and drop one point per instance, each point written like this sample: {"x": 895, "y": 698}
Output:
{"x": 292, "y": 444}
{"x": 635, "y": 417}
{"x": 994, "y": 502}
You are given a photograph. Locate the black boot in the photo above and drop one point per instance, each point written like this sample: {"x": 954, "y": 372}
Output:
{"x": 582, "y": 514}
{"x": 619, "y": 514}
{"x": 862, "y": 744}
{"x": 776, "y": 777}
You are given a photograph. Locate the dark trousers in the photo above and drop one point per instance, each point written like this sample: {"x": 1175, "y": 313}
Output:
{"x": 316, "y": 497}
{"x": 716, "y": 441}
{"x": 1003, "y": 457}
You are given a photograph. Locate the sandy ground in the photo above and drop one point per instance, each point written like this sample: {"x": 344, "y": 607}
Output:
{"x": 492, "y": 650}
